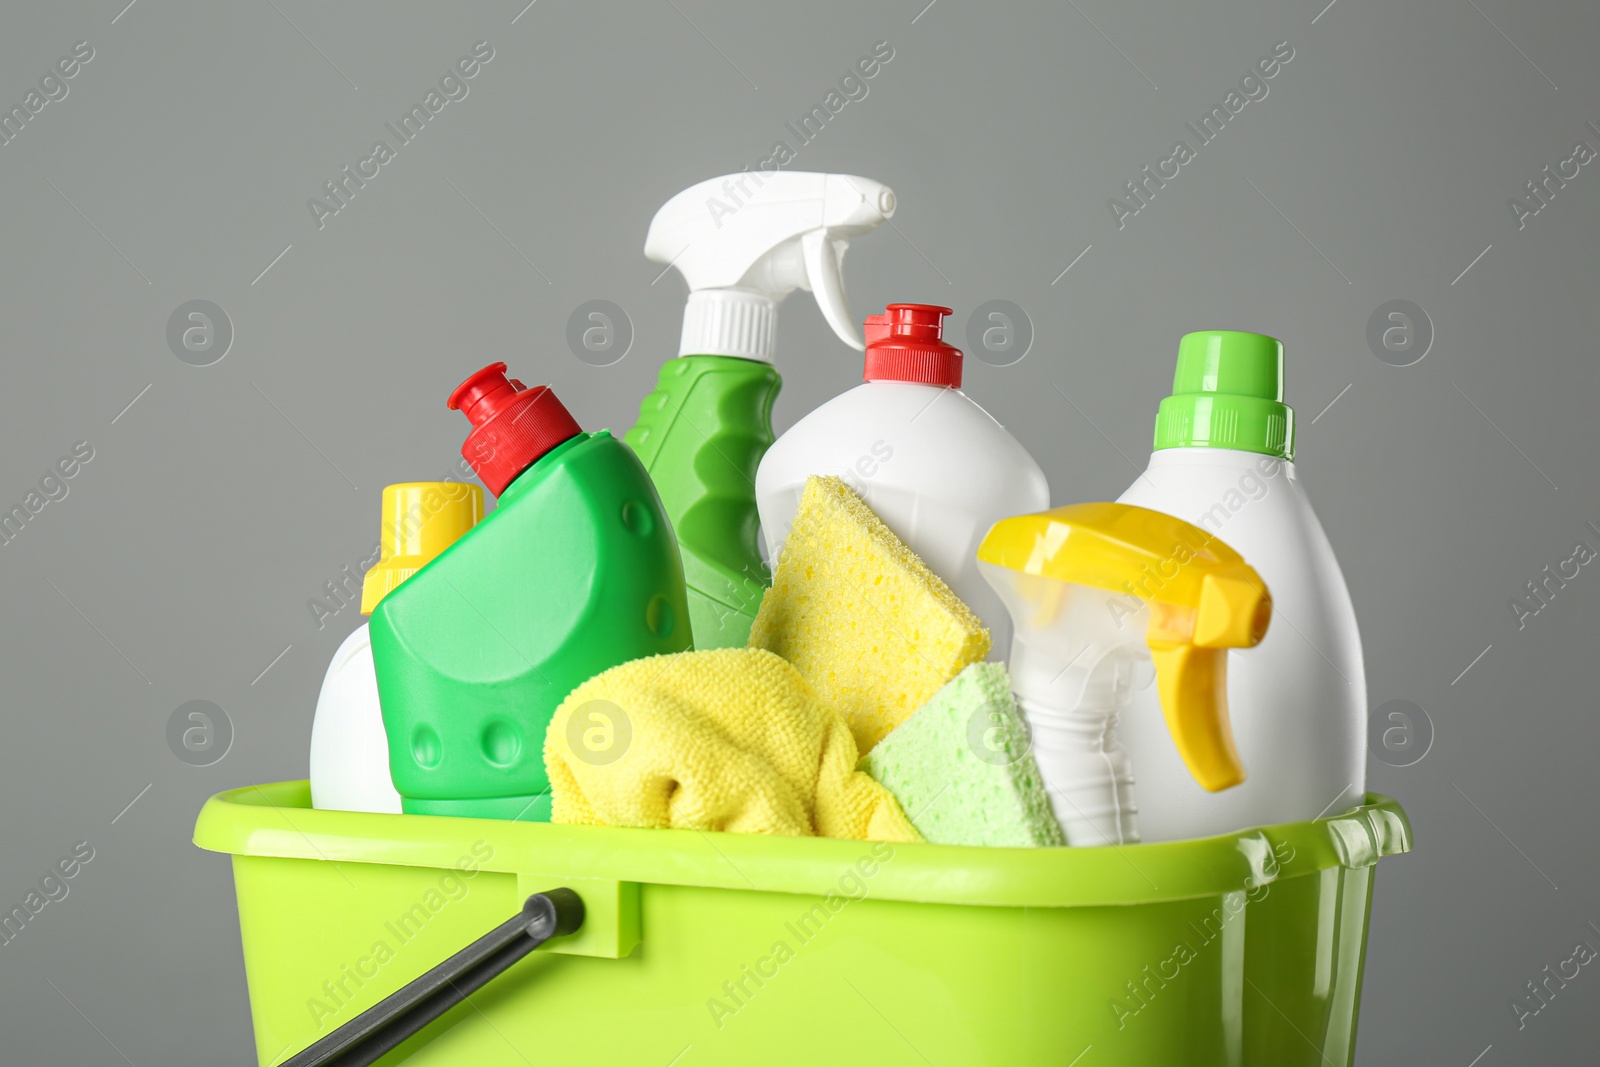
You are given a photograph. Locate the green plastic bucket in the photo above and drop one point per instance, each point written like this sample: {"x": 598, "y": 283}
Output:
{"x": 711, "y": 948}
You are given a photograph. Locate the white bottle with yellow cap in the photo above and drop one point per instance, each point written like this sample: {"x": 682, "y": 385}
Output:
{"x": 1098, "y": 594}
{"x": 349, "y": 749}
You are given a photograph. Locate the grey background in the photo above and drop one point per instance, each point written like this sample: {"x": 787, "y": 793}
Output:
{"x": 180, "y": 563}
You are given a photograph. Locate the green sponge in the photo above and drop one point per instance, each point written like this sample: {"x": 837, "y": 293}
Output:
{"x": 962, "y": 767}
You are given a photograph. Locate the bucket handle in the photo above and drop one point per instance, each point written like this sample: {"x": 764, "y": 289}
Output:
{"x": 381, "y": 1028}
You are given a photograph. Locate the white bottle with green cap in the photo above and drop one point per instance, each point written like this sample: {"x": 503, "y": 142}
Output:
{"x": 1224, "y": 461}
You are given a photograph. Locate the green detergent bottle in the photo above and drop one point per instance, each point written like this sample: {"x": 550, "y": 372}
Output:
{"x": 574, "y": 572}
{"x": 743, "y": 242}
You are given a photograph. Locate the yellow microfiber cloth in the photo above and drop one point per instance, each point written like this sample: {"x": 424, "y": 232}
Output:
{"x": 726, "y": 739}
{"x": 873, "y": 630}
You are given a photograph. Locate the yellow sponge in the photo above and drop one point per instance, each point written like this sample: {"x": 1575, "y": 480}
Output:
{"x": 867, "y": 624}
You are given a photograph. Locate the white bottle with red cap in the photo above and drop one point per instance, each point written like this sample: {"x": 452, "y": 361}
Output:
{"x": 934, "y": 466}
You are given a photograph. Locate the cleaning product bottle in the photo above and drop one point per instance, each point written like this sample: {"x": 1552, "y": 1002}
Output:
{"x": 1223, "y": 459}
{"x": 1099, "y": 593}
{"x": 742, "y": 242}
{"x": 349, "y": 751}
{"x": 574, "y": 572}
{"x": 933, "y": 465}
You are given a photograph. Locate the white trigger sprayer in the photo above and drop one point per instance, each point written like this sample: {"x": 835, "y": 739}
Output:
{"x": 745, "y": 241}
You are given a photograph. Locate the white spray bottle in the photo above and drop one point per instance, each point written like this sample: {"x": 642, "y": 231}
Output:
{"x": 742, "y": 242}
{"x": 1100, "y": 593}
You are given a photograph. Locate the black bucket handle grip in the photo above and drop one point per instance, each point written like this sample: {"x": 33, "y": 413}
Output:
{"x": 381, "y": 1028}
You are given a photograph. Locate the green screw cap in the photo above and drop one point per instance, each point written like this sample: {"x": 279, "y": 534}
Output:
{"x": 1227, "y": 393}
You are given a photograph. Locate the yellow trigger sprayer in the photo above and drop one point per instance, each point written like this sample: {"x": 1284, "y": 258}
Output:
{"x": 1098, "y": 594}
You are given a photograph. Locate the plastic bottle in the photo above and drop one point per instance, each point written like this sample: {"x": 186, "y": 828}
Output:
{"x": 1223, "y": 460}
{"x": 1099, "y": 593}
{"x": 742, "y": 242}
{"x": 349, "y": 750}
{"x": 934, "y": 466}
{"x": 574, "y": 572}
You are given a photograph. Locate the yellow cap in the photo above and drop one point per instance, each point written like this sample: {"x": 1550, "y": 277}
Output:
{"x": 1203, "y": 599}
{"x": 420, "y": 520}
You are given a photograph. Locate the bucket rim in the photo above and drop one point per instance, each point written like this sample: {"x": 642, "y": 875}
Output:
{"x": 276, "y": 820}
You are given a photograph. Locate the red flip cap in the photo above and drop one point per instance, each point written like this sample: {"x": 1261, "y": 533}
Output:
{"x": 511, "y": 426}
{"x": 906, "y": 344}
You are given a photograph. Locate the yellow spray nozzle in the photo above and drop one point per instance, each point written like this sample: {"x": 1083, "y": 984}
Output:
{"x": 420, "y": 520}
{"x": 1202, "y": 599}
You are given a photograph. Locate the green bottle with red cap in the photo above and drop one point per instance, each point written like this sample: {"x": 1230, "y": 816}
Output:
{"x": 574, "y": 572}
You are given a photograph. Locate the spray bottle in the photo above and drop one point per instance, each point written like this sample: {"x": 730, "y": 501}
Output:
{"x": 1098, "y": 593}
{"x": 743, "y": 243}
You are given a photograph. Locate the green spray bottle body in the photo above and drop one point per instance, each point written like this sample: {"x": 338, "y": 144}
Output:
{"x": 742, "y": 243}
{"x": 701, "y": 435}
{"x": 574, "y": 572}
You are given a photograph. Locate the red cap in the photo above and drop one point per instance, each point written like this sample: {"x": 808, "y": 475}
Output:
{"x": 905, "y": 344}
{"x": 511, "y": 426}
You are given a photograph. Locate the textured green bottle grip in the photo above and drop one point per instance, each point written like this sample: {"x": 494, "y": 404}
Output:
{"x": 701, "y": 435}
